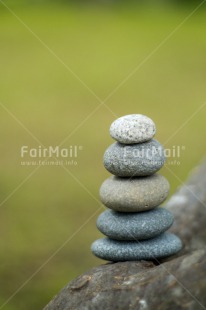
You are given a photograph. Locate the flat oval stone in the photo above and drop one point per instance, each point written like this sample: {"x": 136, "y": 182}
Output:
{"x": 134, "y": 128}
{"x": 134, "y": 160}
{"x": 164, "y": 245}
{"x": 134, "y": 226}
{"x": 135, "y": 194}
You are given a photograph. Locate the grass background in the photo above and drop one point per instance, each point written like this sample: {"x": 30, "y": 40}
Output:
{"x": 101, "y": 44}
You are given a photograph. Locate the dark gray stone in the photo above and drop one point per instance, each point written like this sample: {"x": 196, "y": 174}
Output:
{"x": 135, "y": 194}
{"x": 134, "y": 160}
{"x": 133, "y": 128}
{"x": 163, "y": 245}
{"x": 134, "y": 226}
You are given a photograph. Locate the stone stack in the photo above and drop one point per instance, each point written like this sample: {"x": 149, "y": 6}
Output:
{"x": 135, "y": 225}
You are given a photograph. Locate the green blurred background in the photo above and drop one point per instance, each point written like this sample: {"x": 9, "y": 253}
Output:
{"x": 101, "y": 42}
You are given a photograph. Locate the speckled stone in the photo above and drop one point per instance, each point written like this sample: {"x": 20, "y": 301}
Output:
{"x": 164, "y": 245}
{"x": 134, "y": 226}
{"x": 135, "y": 159}
{"x": 135, "y": 194}
{"x": 134, "y": 128}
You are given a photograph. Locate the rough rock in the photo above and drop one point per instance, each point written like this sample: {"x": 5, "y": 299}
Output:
{"x": 176, "y": 283}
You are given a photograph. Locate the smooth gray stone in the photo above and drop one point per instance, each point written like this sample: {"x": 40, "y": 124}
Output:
{"x": 133, "y": 128}
{"x": 135, "y": 194}
{"x": 164, "y": 245}
{"x": 134, "y": 160}
{"x": 134, "y": 226}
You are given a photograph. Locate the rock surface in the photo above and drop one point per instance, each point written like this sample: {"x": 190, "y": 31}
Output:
{"x": 134, "y": 160}
{"x": 135, "y": 194}
{"x": 133, "y": 128}
{"x": 175, "y": 283}
{"x": 134, "y": 226}
{"x": 163, "y": 245}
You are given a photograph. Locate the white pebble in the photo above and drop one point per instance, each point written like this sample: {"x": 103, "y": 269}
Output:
{"x": 133, "y": 128}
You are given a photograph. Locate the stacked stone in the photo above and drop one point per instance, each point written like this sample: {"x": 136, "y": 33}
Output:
{"x": 135, "y": 225}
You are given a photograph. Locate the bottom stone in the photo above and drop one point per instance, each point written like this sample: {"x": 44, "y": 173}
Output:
{"x": 164, "y": 245}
